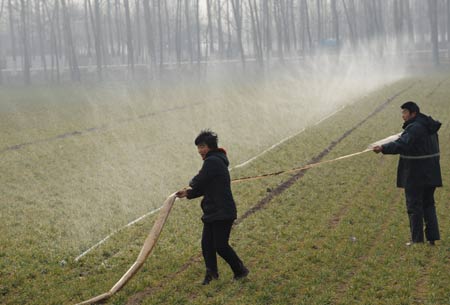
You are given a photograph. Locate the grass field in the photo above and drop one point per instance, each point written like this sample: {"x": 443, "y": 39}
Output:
{"x": 70, "y": 175}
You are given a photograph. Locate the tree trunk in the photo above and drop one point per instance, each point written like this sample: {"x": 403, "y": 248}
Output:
{"x": 12, "y": 32}
{"x": 319, "y": 21}
{"x": 335, "y": 17}
{"x": 210, "y": 30}
{"x": 350, "y": 25}
{"x": 237, "y": 12}
{"x": 448, "y": 30}
{"x": 409, "y": 23}
{"x": 178, "y": 33}
{"x": 130, "y": 48}
{"x": 118, "y": 27}
{"x": 433, "y": 16}
{"x": 199, "y": 43}
{"x": 86, "y": 27}
{"x": 25, "y": 44}
{"x": 98, "y": 39}
{"x": 160, "y": 35}
{"x": 137, "y": 15}
{"x": 278, "y": 25}
{"x": 219, "y": 28}
{"x": 398, "y": 25}
{"x": 188, "y": 30}
{"x": 229, "y": 42}
{"x": 255, "y": 34}
{"x": 284, "y": 24}
{"x": 54, "y": 42}
{"x": 110, "y": 29}
{"x": 70, "y": 46}
{"x": 169, "y": 32}
{"x": 149, "y": 34}
{"x": 307, "y": 28}
{"x": 96, "y": 29}
{"x": 292, "y": 23}
{"x": 41, "y": 36}
{"x": 267, "y": 28}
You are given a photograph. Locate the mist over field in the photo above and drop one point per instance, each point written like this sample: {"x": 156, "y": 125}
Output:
{"x": 100, "y": 103}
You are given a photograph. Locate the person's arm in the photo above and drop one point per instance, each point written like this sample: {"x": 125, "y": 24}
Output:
{"x": 200, "y": 181}
{"x": 400, "y": 146}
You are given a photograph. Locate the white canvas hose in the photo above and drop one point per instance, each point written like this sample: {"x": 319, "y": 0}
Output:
{"x": 147, "y": 248}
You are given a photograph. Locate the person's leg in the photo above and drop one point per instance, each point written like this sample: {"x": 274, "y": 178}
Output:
{"x": 221, "y": 233}
{"x": 209, "y": 253}
{"x": 429, "y": 215}
{"x": 414, "y": 206}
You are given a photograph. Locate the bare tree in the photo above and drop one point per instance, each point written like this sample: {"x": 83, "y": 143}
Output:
{"x": 279, "y": 29}
{"x": 25, "y": 43}
{"x": 168, "y": 30}
{"x": 229, "y": 39}
{"x": 409, "y": 23}
{"x": 319, "y": 21}
{"x": 256, "y": 32}
{"x": 130, "y": 50}
{"x": 160, "y": 35}
{"x": 188, "y": 30}
{"x": 11, "y": 30}
{"x": 219, "y": 28}
{"x": 306, "y": 27}
{"x": 448, "y": 29}
{"x": 292, "y": 19}
{"x": 267, "y": 28}
{"x": 118, "y": 20}
{"x": 97, "y": 30}
{"x": 335, "y": 15}
{"x": 41, "y": 36}
{"x": 237, "y": 13}
{"x": 433, "y": 16}
{"x": 137, "y": 16}
{"x": 198, "y": 38}
{"x": 210, "y": 28}
{"x": 53, "y": 24}
{"x": 149, "y": 33}
{"x": 70, "y": 46}
{"x": 2, "y": 60}
{"x": 350, "y": 23}
{"x": 110, "y": 27}
{"x": 178, "y": 32}
{"x": 86, "y": 27}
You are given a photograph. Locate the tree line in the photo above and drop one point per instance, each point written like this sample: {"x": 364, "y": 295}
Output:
{"x": 66, "y": 39}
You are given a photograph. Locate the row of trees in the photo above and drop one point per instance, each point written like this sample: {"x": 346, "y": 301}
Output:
{"x": 54, "y": 38}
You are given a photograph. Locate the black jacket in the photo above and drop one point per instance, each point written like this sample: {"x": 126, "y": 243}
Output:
{"x": 418, "y": 147}
{"x": 213, "y": 183}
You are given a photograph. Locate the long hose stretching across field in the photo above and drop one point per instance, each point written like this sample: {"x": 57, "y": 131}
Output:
{"x": 153, "y": 236}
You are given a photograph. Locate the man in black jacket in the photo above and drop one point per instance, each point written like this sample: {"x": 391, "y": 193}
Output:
{"x": 419, "y": 171}
{"x": 219, "y": 208}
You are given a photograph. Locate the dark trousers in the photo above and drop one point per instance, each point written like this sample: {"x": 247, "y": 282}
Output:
{"x": 420, "y": 206}
{"x": 215, "y": 240}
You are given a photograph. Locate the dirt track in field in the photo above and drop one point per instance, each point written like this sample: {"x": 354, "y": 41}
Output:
{"x": 94, "y": 129}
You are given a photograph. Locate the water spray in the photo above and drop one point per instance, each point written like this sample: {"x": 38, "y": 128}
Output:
{"x": 165, "y": 209}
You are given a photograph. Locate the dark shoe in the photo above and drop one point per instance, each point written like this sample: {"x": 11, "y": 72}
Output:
{"x": 209, "y": 276}
{"x": 243, "y": 273}
{"x": 432, "y": 243}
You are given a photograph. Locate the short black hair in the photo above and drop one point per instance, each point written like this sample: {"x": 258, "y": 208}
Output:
{"x": 411, "y": 107}
{"x": 207, "y": 137}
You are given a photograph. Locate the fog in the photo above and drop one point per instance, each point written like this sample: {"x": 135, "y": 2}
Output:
{"x": 100, "y": 103}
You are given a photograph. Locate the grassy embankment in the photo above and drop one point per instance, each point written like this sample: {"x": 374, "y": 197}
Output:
{"x": 336, "y": 236}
